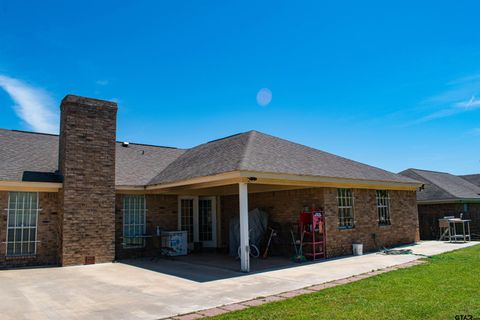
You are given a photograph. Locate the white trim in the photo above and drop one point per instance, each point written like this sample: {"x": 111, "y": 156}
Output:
{"x": 244, "y": 229}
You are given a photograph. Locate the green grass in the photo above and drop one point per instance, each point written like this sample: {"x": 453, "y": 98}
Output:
{"x": 446, "y": 285}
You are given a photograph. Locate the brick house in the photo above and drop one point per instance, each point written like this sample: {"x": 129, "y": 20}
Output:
{"x": 81, "y": 197}
{"x": 443, "y": 195}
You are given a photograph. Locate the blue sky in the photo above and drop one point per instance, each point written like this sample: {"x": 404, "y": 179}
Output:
{"x": 394, "y": 85}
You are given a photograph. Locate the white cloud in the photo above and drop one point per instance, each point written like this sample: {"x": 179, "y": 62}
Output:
{"x": 32, "y": 105}
{"x": 473, "y": 103}
{"x": 454, "y": 100}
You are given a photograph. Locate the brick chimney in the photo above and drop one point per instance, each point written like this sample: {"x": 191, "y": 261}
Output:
{"x": 87, "y": 164}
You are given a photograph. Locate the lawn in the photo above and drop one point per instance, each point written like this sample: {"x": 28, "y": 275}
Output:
{"x": 445, "y": 286}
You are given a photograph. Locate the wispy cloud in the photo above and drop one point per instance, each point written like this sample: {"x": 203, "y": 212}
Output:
{"x": 459, "y": 97}
{"x": 473, "y": 103}
{"x": 33, "y": 105}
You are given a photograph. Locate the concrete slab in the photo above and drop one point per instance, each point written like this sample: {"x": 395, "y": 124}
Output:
{"x": 125, "y": 291}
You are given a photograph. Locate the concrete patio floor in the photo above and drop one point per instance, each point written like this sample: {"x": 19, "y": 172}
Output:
{"x": 166, "y": 288}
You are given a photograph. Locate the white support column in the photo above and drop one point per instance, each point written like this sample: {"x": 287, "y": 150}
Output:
{"x": 244, "y": 229}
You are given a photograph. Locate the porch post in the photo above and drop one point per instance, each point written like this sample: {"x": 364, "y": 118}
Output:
{"x": 244, "y": 231}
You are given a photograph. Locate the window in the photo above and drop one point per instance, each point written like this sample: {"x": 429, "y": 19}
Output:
{"x": 134, "y": 213}
{"x": 383, "y": 207}
{"x": 345, "y": 208}
{"x": 22, "y": 223}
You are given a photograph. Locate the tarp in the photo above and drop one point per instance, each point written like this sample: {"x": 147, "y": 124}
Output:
{"x": 257, "y": 224}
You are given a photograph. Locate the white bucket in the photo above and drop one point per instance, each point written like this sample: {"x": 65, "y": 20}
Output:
{"x": 357, "y": 249}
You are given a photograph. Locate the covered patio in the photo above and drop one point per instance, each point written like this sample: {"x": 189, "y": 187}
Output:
{"x": 233, "y": 194}
{"x": 229, "y": 195}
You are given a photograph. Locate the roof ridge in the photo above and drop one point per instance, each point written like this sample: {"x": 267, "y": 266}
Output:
{"x": 247, "y": 150}
{"x": 149, "y": 145}
{"x": 425, "y": 170}
{"x": 32, "y": 132}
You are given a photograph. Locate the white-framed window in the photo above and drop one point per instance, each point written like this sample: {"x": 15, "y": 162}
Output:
{"x": 345, "y": 208}
{"x": 22, "y": 221}
{"x": 134, "y": 225}
{"x": 383, "y": 207}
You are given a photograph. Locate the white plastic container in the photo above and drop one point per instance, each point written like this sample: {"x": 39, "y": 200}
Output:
{"x": 174, "y": 243}
{"x": 357, "y": 249}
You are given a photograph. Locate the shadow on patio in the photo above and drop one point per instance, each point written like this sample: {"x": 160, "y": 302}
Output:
{"x": 205, "y": 267}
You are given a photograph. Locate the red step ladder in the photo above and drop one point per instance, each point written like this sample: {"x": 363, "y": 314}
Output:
{"x": 312, "y": 233}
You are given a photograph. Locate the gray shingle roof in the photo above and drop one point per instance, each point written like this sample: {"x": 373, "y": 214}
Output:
{"x": 259, "y": 152}
{"x": 26, "y": 156}
{"x": 442, "y": 186}
{"x": 137, "y": 164}
{"x": 472, "y": 178}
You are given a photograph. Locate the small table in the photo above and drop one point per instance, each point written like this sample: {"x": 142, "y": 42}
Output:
{"x": 451, "y": 224}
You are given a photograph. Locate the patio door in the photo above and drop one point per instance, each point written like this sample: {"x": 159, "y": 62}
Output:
{"x": 198, "y": 216}
{"x": 207, "y": 221}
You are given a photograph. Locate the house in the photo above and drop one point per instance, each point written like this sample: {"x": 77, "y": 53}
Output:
{"x": 472, "y": 178}
{"x": 81, "y": 197}
{"x": 443, "y": 195}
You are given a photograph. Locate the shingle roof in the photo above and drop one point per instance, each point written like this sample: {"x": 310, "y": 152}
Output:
{"x": 472, "y": 178}
{"x": 442, "y": 186}
{"x": 27, "y": 156}
{"x": 259, "y": 152}
{"x": 137, "y": 164}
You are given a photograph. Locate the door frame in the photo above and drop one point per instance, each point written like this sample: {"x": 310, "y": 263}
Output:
{"x": 196, "y": 228}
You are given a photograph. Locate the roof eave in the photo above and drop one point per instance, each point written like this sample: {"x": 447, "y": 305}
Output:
{"x": 285, "y": 179}
{"x": 10, "y": 185}
{"x": 445, "y": 201}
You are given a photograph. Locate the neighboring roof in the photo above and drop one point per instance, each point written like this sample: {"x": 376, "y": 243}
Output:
{"x": 259, "y": 152}
{"x": 442, "y": 186}
{"x": 29, "y": 156}
{"x": 472, "y": 178}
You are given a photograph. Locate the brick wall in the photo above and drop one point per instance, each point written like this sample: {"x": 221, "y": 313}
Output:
{"x": 87, "y": 163}
{"x": 162, "y": 211}
{"x": 430, "y": 213}
{"x": 403, "y": 228}
{"x": 284, "y": 206}
{"x": 47, "y": 233}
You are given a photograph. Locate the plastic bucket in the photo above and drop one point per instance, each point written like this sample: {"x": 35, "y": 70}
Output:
{"x": 357, "y": 249}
